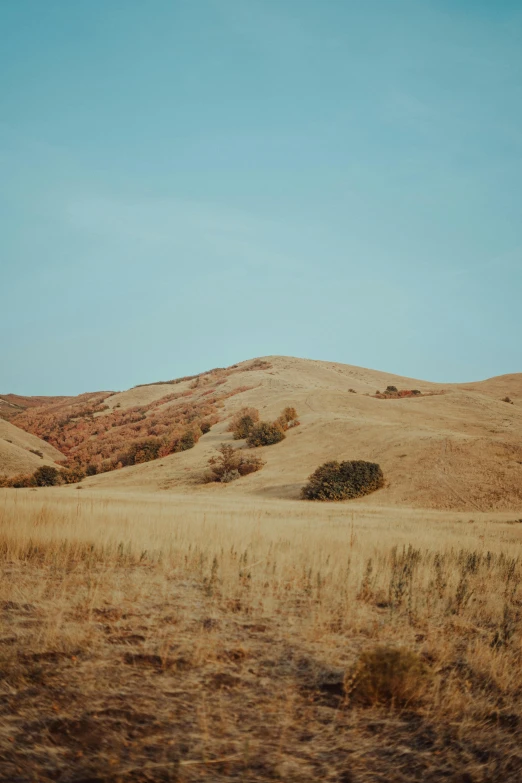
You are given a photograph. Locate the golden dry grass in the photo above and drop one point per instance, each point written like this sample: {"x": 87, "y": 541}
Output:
{"x": 161, "y": 638}
{"x": 15, "y": 451}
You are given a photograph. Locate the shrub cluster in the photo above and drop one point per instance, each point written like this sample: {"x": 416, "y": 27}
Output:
{"x": 343, "y": 480}
{"x": 265, "y": 433}
{"x": 231, "y": 464}
{"x": 45, "y": 476}
{"x": 130, "y": 436}
{"x": 242, "y": 422}
{"x": 393, "y": 393}
{"x": 288, "y": 419}
{"x": 96, "y": 444}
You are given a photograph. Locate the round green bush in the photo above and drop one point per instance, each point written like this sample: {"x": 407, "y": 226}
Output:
{"x": 46, "y": 476}
{"x": 244, "y": 427}
{"x": 343, "y": 480}
{"x": 265, "y": 434}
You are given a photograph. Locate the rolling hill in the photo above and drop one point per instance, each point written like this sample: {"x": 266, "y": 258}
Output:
{"x": 453, "y": 446}
{"x": 20, "y": 451}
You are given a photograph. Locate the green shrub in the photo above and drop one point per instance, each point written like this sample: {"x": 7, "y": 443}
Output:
{"x": 343, "y": 480}
{"x": 243, "y": 421}
{"x": 244, "y": 427}
{"x": 46, "y": 476}
{"x": 188, "y": 440}
{"x": 265, "y": 434}
{"x": 141, "y": 451}
{"x": 387, "y": 675}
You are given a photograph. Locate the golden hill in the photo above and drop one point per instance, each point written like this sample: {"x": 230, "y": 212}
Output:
{"x": 459, "y": 447}
{"x": 20, "y": 451}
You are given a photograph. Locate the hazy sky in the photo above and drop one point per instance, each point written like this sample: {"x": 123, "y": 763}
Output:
{"x": 190, "y": 183}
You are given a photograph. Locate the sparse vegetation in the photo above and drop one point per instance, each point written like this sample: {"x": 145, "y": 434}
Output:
{"x": 343, "y": 480}
{"x": 288, "y": 419}
{"x": 386, "y": 675}
{"x": 392, "y": 393}
{"x": 128, "y": 626}
{"x": 507, "y": 399}
{"x": 37, "y": 452}
{"x": 232, "y": 463}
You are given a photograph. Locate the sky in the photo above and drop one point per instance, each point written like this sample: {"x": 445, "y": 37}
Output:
{"x": 186, "y": 184}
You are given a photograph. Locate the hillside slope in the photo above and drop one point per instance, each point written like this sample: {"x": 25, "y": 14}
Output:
{"x": 17, "y": 451}
{"x": 459, "y": 448}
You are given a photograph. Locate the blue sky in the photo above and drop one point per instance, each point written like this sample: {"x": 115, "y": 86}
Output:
{"x": 190, "y": 183}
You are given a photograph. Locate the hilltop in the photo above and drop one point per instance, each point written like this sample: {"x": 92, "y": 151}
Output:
{"x": 450, "y": 446}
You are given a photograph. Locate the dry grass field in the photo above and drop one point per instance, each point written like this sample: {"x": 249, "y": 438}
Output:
{"x": 224, "y": 637}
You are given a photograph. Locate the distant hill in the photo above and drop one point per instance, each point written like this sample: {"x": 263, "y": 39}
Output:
{"x": 13, "y": 404}
{"x": 452, "y": 446}
{"x": 20, "y": 451}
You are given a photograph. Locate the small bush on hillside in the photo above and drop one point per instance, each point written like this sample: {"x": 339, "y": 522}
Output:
{"x": 46, "y": 476}
{"x": 288, "y": 419}
{"x": 244, "y": 427}
{"x": 91, "y": 470}
{"x": 507, "y": 399}
{"x": 391, "y": 390}
{"x": 242, "y": 422}
{"x": 188, "y": 440}
{"x": 229, "y": 476}
{"x": 343, "y": 480}
{"x": 141, "y": 451}
{"x": 205, "y": 427}
{"x": 416, "y": 392}
{"x": 389, "y": 676}
{"x": 72, "y": 475}
{"x": 37, "y": 452}
{"x": 231, "y": 464}
{"x": 265, "y": 434}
